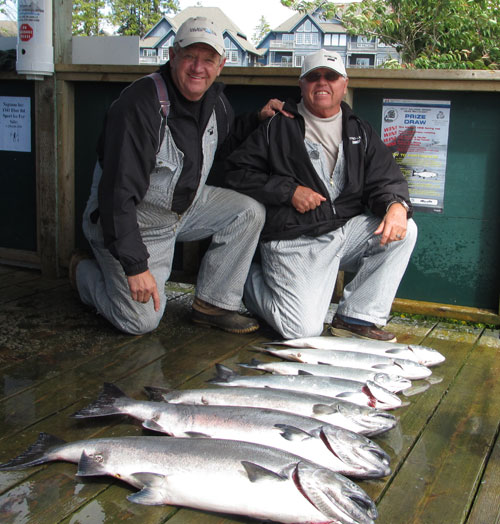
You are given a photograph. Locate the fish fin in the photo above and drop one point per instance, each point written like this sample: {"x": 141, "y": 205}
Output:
{"x": 292, "y": 433}
{"x": 253, "y": 364}
{"x": 323, "y": 409}
{"x": 396, "y": 351}
{"x": 224, "y": 374}
{"x": 89, "y": 466}
{"x": 324, "y": 364}
{"x": 154, "y": 491}
{"x": 156, "y": 393}
{"x": 382, "y": 367}
{"x": 105, "y": 403}
{"x": 305, "y": 373}
{"x": 256, "y": 472}
{"x": 36, "y": 454}
{"x": 154, "y": 426}
{"x": 196, "y": 434}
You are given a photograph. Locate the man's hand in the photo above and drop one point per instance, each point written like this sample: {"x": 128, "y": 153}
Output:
{"x": 270, "y": 109}
{"x": 143, "y": 287}
{"x": 393, "y": 226}
{"x": 305, "y": 199}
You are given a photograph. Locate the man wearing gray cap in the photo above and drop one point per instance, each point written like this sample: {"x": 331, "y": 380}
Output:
{"x": 158, "y": 144}
{"x": 335, "y": 199}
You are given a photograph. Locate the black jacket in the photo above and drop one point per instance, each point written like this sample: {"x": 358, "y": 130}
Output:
{"x": 132, "y": 134}
{"x": 273, "y": 161}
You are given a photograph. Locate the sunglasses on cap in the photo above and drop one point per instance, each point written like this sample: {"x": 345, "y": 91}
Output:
{"x": 314, "y": 76}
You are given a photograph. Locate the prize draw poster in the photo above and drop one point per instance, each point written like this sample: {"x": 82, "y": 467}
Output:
{"x": 416, "y": 131}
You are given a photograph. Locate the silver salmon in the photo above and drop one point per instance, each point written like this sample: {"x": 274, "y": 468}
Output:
{"x": 405, "y": 368}
{"x": 393, "y": 383}
{"x": 335, "y": 448}
{"x": 367, "y": 394}
{"x": 359, "y": 419}
{"x": 213, "y": 475}
{"x": 422, "y": 354}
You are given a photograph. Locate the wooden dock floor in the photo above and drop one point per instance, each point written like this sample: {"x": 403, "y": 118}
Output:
{"x": 55, "y": 355}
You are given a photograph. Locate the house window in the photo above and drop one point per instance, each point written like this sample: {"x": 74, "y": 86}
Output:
{"x": 337, "y": 40}
{"x": 149, "y": 52}
{"x": 307, "y": 34}
{"x": 363, "y": 62}
{"x": 286, "y": 61}
{"x": 229, "y": 44}
{"x": 231, "y": 57}
{"x": 299, "y": 59}
{"x": 287, "y": 37}
{"x": 164, "y": 53}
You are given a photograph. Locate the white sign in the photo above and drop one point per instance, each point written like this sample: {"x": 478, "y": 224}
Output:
{"x": 416, "y": 131}
{"x": 15, "y": 123}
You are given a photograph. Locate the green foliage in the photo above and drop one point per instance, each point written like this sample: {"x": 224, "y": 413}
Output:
{"x": 443, "y": 34}
{"x": 88, "y": 17}
{"x": 137, "y": 17}
{"x": 261, "y": 30}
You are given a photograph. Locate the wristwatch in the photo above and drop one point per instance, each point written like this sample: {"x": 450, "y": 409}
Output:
{"x": 398, "y": 201}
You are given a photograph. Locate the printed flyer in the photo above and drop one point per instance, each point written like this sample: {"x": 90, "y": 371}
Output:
{"x": 416, "y": 131}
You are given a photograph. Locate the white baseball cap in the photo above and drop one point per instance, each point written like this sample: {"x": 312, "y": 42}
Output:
{"x": 323, "y": 58}
{"x": 200, "y": 30}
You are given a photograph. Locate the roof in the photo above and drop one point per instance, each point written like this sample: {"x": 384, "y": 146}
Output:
{"x": 221, "y": 20}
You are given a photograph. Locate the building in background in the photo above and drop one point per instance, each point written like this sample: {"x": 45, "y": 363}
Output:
{"x": 239, "y": 51}
{"x": 305, "y": 33}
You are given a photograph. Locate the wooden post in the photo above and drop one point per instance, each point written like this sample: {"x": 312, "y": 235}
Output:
{"x": 46, "y": 175}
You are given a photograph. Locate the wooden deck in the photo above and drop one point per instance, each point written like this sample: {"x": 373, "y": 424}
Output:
{"x": 55, "y": 354}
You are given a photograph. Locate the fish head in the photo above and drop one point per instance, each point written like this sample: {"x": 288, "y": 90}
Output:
{"x": 393, "y": 383}
{"x": 334, "y": 495}
{"x": 380, "y": 397}
{"x": 427, "y": 356}
{"x": 368, "y": 421}
{"x": 411, "y": 369}
{"x": 356, "y": 451}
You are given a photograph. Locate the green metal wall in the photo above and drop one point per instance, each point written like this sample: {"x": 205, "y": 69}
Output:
{"x": 457, "y": 254}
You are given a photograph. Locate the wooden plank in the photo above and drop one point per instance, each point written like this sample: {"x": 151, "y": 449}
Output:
{"x": 66, "y": 169}
{"x": 46, "y": 147}
{"x": 486, "y": 506}
{"x": 444, "y": 466}
{"x": 472, "y": 314}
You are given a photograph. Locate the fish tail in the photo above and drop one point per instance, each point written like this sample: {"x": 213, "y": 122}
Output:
{"x": 156, "y": 394}
{"x": 37, "y": 453}
{"x": 106, "y": 403}
{"x": 253, "y": 364}
{"x": 224, "y": 374}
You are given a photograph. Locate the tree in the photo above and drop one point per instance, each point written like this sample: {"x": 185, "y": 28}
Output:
{"x": 8, "y": 8}
{"x": 88, "y": 17}
{"x": 448, "y": 34}
{"x": 137, "y": 17}
{"x": 261, "y": 30}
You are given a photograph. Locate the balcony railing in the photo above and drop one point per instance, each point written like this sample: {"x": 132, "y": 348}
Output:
{"x": 281, "y": 44}
{"x": 362, "y": 46}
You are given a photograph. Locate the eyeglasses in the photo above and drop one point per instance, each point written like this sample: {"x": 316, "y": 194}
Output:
{"x": 329, "y": 76}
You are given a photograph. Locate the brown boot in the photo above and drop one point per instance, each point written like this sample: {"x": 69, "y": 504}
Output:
{"x": 209, "y": 315}
{"x": 341, "y": 328}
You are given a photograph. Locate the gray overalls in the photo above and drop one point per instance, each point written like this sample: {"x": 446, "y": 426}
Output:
{"x": 234, "y": 220}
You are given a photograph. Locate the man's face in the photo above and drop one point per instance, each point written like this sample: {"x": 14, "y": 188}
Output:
{"x": 194, "y": 69}
{"x": 322, "y": 91}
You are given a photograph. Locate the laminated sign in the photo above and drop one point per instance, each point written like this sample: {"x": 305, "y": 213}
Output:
{"x": 15, "y": 124}
{"x": 416, "y": 131}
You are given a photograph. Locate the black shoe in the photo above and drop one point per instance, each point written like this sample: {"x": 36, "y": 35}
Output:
{"x": 230, "y": 321}
{"x": 341, "y": 328}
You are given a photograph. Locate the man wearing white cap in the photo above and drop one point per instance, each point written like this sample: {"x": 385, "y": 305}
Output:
{"x": 335, "y": 199}
{"x": 158, "y": 144}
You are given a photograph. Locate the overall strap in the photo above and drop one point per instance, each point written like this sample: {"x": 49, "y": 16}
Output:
{"x": 161, "y": 89}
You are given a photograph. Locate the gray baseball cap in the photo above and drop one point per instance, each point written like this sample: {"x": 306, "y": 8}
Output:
{"x": 323, "y": 58}
{"x": 200, "y": 30}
